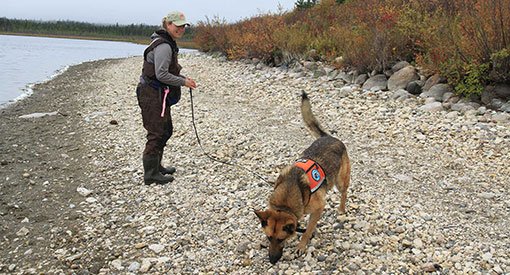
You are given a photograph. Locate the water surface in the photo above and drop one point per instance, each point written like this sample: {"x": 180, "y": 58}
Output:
{"x": 25, "y": 60}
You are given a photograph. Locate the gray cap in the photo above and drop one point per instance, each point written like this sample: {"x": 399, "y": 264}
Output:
{"x": 177, "y": 18}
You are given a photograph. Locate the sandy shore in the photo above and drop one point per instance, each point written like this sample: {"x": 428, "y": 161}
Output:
{"x": 429, "y": 191}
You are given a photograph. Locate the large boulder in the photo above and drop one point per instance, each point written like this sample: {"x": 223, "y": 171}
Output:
{"x": 431, "y": 81}
{"x": 376, "y": 82}
{"x": 437, "y": 92}
{"x": 310, "y": 65}
{"x": 415, "y": 87}
{"x": 347, "y": 77}
{"x": 432, "y": 107}
{"x": 493, "y": 95}
{"x": 401, "y": 78}
{"x": 362, "y": 78}
{"x": 503, "y": 91}
{"x": 399, "y": 66}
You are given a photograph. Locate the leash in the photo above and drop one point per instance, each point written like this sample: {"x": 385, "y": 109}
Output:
{"x": 209, "y": 156}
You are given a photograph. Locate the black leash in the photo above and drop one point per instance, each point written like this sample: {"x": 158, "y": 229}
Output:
{"x": 209, "y": 156}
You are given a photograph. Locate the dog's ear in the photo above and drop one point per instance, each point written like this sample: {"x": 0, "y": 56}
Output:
{"x": 263, "y": 215}
{"x": 290, "y": 228}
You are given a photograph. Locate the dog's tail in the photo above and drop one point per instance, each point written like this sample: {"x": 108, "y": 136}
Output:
{"x": 310, "y": 120}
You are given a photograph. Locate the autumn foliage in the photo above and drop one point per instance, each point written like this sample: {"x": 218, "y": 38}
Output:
{"x": 468, "y": 41}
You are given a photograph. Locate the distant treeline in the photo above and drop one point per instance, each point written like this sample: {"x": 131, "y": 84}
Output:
{"x": 136, "y": 33}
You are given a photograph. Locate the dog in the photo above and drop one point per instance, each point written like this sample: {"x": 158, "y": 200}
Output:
{"x": 301, "y": 187}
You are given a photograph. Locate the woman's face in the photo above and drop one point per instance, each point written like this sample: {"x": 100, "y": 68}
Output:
{"x": 175, "y": 31}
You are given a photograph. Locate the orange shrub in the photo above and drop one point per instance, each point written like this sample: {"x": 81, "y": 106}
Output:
{"x": 461, "y": 39}
{"x": 212, "y": 35}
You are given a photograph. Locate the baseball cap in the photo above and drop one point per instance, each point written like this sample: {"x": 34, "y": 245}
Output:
{"x": 177, "y": 18}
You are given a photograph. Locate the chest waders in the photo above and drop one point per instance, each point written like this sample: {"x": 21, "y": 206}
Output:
{"x": 155, "y": 99}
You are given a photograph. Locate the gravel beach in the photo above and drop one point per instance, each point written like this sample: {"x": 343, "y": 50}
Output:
{"x": 429, "y": 190}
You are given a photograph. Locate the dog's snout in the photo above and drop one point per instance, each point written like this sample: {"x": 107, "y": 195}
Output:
{"x": 274, "y": 257}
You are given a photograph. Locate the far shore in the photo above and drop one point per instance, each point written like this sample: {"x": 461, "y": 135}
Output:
{"x": 182, "y": 44}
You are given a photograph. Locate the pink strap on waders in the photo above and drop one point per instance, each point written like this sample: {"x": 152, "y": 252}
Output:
{"x": 164, "y": 103}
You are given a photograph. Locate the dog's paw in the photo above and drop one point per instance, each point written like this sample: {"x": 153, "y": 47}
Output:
{"x": 301, "y": 249}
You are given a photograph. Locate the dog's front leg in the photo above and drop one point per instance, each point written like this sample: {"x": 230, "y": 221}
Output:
{"x": 312, "y": 222}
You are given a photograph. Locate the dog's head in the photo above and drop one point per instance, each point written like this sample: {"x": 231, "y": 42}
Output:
{"x": 279, "y": 227}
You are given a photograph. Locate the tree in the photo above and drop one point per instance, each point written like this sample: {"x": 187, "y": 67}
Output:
{"x": 302, "y": 4}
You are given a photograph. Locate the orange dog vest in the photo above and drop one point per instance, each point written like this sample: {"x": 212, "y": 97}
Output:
{"x": 314, "y": 172}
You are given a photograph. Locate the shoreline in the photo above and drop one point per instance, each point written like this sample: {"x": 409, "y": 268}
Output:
{"x": 41, "y": 162}
{"x": 29, "y": 87}
{"x": 425, "y": 188}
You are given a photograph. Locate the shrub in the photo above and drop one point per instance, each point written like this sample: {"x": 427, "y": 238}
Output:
{"x": 500, "y": 66}
{"x": 465, "y": 40}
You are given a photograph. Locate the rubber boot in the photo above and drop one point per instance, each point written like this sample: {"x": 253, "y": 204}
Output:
{"x": 151, "y": 171}
{"x": 163, "y": 170}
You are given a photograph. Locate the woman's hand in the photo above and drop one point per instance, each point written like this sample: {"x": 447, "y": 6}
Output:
{"x": 190, "y": 83}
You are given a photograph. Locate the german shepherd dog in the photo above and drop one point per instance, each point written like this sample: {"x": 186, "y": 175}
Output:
{"x": 301, "y": 187}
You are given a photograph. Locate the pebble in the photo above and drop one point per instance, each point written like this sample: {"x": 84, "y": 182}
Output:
{"x": 157, "y": 248}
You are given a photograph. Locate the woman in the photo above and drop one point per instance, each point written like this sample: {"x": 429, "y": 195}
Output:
{"x": 159, "y": 88}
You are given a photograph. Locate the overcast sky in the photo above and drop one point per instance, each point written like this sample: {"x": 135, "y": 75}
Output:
{"x": 137, "y": 11}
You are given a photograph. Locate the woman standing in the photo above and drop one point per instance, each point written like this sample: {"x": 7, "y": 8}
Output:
{"x": 159, "y": 88}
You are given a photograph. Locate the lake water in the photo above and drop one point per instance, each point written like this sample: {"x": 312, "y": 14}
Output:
{"x": 26, "y": 60}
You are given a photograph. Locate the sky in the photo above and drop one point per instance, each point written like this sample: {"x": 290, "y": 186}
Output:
{"x": 125, "y": 12}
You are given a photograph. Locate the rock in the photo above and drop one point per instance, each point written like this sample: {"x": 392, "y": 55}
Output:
{"x": 339, "y": 226}
{"x": 361, "y": 225}
{"x": 430, "y": 267}
{"x": 39, "y": 115}
{"x": 400, "y": 95}
{"x": 399, "y": 66}
{"x": 401, "y": 78}
{"x": 486, "y": 195}
{"x": 436, "y": 91}
{"x": 134, "y": 267}
{"x": 157, "y": 248}
{"x": 378, "y": 82}
{"x": 91, "y": 200}
{"x": 505, "y": 107}
{"x": 311, "y": 66}
{"x": 362, "y": 78}
{"x": 487, "y": 256}
{"x": 452, "y": 115}
{"x": 461, "y": 107}
{"x": 22, "y": 232}
{"x": 346, "y": 77}
{"x": 432, "y": 107}
{"x": 242, "y": 248}
{"x": 414, "y": 87}
{"x": 499, "y": 91}
{"x": 83, "y": 191}
{"x": 322, "y": 258}
{"x": 432, "y": 81}
{"x": 140, "y": 245}
{"x": 313, "y": 55}
{"x": 501, "y": 117}
{"x": 146, "y": 266}
{"x": 418, "y": 243}
{"x": 117, "y": 264}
